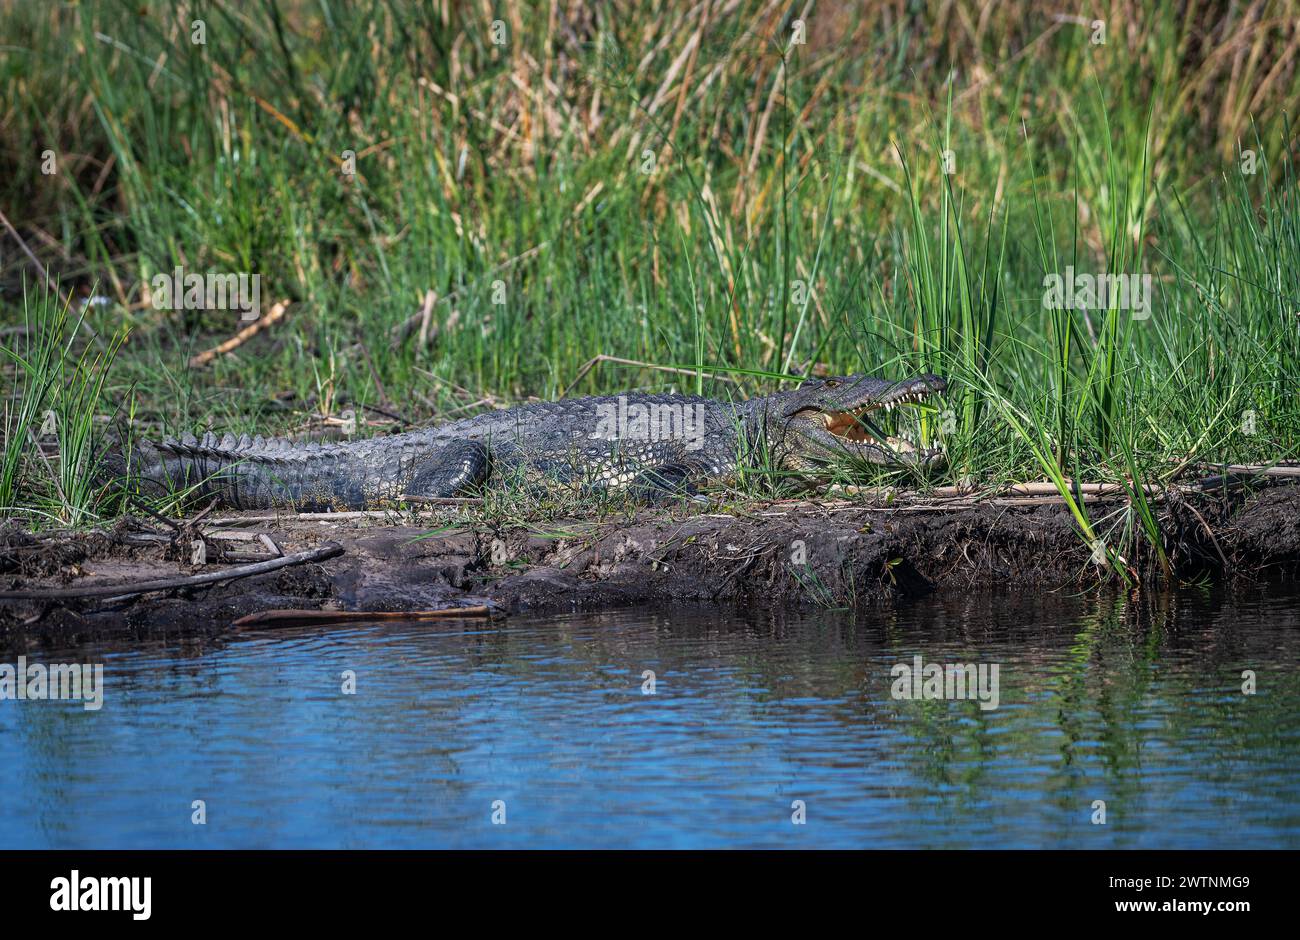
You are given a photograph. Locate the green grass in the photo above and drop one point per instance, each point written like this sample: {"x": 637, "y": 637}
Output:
{"x": 58, "y": 395}
{"x": 795, "y": 215}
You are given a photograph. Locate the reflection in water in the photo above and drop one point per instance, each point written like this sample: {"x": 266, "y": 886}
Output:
{"x": 1137, "y": 703}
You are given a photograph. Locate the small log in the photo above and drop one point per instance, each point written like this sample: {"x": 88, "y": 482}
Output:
{"x": 284, "y": 618}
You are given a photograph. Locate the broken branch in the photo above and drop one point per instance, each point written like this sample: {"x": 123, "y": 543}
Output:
{"x": 320, "y": 553}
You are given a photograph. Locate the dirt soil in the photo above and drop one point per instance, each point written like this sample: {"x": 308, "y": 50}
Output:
{"x": 831, "y": 553}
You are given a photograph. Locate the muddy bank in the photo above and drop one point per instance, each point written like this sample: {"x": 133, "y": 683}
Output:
{"x": 829, "y": 553}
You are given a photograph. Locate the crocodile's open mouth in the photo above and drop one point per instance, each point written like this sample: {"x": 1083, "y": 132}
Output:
{"x": 870, "y": 424}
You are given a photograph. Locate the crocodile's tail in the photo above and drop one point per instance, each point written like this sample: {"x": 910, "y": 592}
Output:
{"x": 256, "y": 473}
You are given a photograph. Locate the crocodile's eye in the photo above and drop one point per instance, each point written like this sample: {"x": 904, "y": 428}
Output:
{"x": 831, "y": 383}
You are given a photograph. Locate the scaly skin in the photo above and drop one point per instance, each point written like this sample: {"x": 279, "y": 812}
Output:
{"x": 653, "y": 443}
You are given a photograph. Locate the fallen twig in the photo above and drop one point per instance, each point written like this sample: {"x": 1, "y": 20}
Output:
{"x": 247, "y": 333}
{"x": 327, "y": 516}
{"x": 300, "y": 617}
{"x": 66, "y": 301}
{"x": 442, "y": 500}
{"x": 1234, "y": 473}
{"x": 1024, "y": 493}
{"x": 320, "y": 553}
{"x": 244, "y": 556}
{"x": 144, "y": 507}
{"x": 1210, "y": 532}
{"x": 426, "y": 316}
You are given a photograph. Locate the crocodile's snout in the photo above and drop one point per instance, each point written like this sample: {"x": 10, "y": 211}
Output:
{"x": 863, "y": 417}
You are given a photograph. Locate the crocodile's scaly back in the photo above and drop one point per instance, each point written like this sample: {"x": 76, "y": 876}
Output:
{"x": 593, "y": 442}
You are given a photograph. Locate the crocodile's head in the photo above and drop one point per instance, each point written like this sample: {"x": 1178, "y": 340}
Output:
{"x": 854, "y": 416}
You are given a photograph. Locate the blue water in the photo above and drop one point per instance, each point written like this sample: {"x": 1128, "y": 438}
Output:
{"x": 1135, "y": 703}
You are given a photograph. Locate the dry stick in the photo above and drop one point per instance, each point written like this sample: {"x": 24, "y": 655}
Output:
{"x": 1250, "y": 469}
{"x": 442, "y": 500}
{"x": 1045, "y": 488}
{"x": 328, "y": 550}
{"x": 1026, "y": 490}
{"x": 587, "y": 200}
{"x": 243, "y": 336}
{"x": 1210, "y": 532}
{"x": 426, "y": 316}
{"x": 392, "y": 415}
{"x": 149, "y": 510}
{"x": 203, "y": 514}
{"x": 322, "y": 516}
{"x": 1277, "y": 469}
{"x": 295, "y": 617}
{"x": 228, "y": 555}
{"x": 949, "y": 498}
{"x": 45, "y": 273}
{"x": 1091, "y": 489}
{"x": 960, "y": 504}
{"x": 473, "y": 404}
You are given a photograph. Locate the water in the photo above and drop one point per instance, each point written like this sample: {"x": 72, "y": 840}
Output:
{"x": 1137, "y": 704}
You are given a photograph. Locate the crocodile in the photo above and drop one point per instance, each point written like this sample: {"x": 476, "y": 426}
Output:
{"x": 649, "y": 443}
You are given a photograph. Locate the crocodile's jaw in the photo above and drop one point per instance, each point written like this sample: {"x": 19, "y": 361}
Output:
{"x": 847, "y": 426}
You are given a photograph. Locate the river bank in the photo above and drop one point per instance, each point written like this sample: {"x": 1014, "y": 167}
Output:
{"x": 828, "y": 553}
